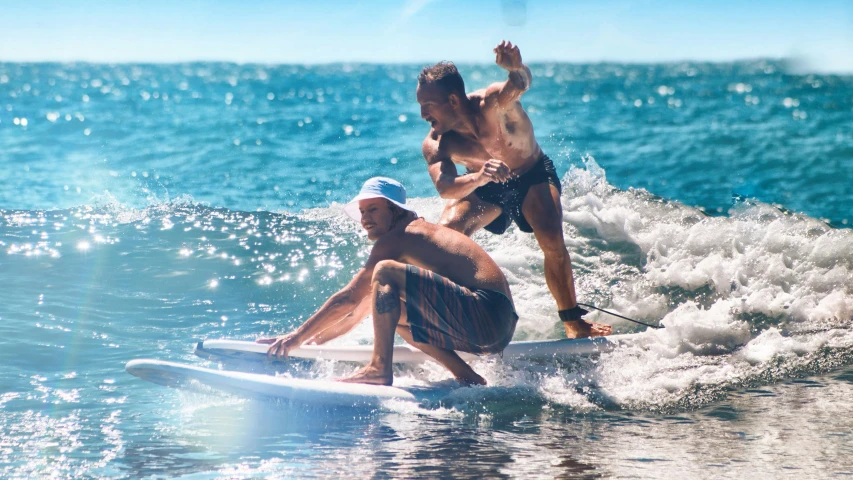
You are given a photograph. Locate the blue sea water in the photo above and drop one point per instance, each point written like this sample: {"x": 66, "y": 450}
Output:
{"x": 145, "y": 207}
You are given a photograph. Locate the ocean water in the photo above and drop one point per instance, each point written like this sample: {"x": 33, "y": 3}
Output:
{"x": 145, "y": 207}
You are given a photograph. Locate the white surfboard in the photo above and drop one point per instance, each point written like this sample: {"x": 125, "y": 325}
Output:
{"x": 309, "y": 392}
{"x": 224, "y": 349}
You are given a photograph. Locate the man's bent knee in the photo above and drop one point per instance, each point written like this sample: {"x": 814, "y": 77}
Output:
{"x": 388, "y": 272}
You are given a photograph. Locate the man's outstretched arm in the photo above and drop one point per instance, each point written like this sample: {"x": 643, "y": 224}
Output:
{"x": 342, "y": 311}
{"x": 343, "y": 306}
{"x": 345, "y": 324}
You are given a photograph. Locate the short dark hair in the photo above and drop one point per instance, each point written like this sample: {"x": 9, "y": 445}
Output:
{"x": 445, "y": 76}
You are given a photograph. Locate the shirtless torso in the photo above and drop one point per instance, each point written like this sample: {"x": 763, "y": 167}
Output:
{"x": 503, "y": 132}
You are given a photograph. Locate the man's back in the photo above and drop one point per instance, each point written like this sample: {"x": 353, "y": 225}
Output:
{"x": 445, "y": 252}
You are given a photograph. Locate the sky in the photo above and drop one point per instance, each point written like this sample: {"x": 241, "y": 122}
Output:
{"x": 816, "y": 32}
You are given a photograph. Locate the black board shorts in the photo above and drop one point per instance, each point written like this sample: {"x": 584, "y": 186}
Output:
{"x": 510, "y": 195}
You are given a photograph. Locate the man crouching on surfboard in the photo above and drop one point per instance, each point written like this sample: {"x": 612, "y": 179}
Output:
{"x": 434, "y": 286}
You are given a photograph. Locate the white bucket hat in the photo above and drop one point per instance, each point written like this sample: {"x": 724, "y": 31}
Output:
{"x": 378, "y": 187}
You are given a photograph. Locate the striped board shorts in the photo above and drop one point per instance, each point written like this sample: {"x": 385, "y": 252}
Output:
{"x": 450, "y": 316}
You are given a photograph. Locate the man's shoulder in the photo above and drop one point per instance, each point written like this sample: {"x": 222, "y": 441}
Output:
{"x": 422, "y": 229}
{"x": 399, "y": 241}
{"x": 417, "y": 229}
{"x": 490, "y": 92}
{"x": 388, "y": 246}
{"x": 485, "y": 100}
{"x": 421, "y": 236}
{"x": 438, "y": 147}
{"x": 478, "y": 95}
{"x": 432, "y": 137}
{"x": 490, "y": 100}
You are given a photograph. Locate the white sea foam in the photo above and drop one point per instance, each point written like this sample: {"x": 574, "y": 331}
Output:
{"x": 733, "y": 290}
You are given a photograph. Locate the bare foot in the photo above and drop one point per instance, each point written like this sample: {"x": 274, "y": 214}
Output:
{"x": 369, "y": 375}
{"x": 583, "y": 329}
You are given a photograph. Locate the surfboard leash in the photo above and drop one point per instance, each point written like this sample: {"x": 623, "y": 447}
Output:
{"x": 620, "y": 316}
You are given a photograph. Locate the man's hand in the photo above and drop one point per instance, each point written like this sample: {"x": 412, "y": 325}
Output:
{"x": 282, "y": 345}
{"x": 494, "y": 171}
{"x": 508, "y": 56}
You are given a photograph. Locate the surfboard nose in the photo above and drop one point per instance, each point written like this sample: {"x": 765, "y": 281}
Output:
{"x": 133, "y": 367}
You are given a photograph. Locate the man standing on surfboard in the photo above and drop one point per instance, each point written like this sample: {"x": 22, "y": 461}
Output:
{"x": 509, "y": 177}
{"x": 434, "y": 286}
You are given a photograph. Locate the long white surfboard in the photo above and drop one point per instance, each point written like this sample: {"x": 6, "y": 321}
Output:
{"x": 224, "y": 349}
{"x": 309, "y": 392}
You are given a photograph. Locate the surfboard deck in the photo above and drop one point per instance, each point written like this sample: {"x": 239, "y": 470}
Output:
{"x": 303, "y": 391}
{"x": 225, "y": 349}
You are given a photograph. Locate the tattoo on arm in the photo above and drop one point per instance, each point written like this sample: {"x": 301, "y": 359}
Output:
{"x": 386, "y": 301}
{"x": 519, "y": 79}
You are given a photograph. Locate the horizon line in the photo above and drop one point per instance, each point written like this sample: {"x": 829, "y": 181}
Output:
{"x": 792, "y": 64}
{"x": 406, "y": 62}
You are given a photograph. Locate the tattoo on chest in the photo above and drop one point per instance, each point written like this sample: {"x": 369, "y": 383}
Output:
{"x": 386, "y": 301}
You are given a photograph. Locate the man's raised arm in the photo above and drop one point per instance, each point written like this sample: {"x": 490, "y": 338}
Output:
{"x": 508, "y": 57}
